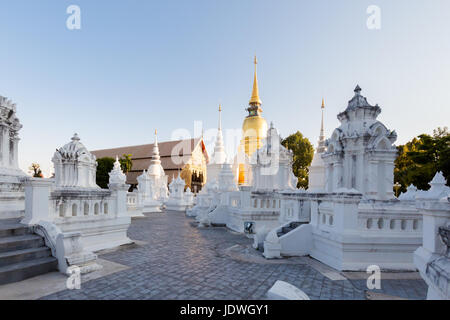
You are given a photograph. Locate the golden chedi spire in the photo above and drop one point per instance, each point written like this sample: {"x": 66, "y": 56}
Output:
{"x": 255, "y": 100}
{"x": 254, "y": 131}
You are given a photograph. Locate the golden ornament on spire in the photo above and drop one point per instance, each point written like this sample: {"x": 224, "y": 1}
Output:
{"x": 156, "y": 132}
{"x": 323, "y": 103}
{"x": 255, "y": 93}
{"x": 220, "y": 108}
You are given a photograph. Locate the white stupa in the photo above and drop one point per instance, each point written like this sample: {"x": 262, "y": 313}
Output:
{"x": 116, "y": 175}
{"x": 152, "y": 184}
{"x": 178, "y": 201}
{"x": 272, "y": 165}
{"x": 12, "y": 196}
{"x": 218, "y": 158}
{"x": 317, "y": 169}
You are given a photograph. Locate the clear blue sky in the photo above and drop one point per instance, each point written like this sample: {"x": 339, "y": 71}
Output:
{"x": 138, "y": 65}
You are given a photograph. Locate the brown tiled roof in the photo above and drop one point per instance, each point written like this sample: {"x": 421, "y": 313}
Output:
{"x": 142, "y": 155}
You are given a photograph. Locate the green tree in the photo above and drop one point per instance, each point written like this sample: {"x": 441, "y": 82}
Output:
{"x": 104, "y": 166}
{"x": 419, "y": 159}
{"x": 126, "y": 163}
{"x": 303, "y": 153}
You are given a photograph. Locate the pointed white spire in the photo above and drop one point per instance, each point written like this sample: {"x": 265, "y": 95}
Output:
{"x": 321, "y": 146}
{"x": 155, "y": 168}
{"x": 156, "y": 148}
{"x": 219, "y": 156}
{"x": 116, "y": 176}
{"x": 117, "y": 163}
{"x": 220, "y": 118}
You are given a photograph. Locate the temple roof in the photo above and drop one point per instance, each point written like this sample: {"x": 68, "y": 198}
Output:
{"x": 74, "y": 149}
{"x": 358, "y": 100}
{"x": 142, "y": 155}
{"x": 355, "y": 105}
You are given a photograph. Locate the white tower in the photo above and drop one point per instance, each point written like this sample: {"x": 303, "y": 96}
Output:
{"x": 9, "y": 138}
{"x": 75, "y": 166}
{"x": 219, "y": 156}
{"x": 317, "y": 169}
{"x": 12, "y": 195}
{"x": 360, "y": 153}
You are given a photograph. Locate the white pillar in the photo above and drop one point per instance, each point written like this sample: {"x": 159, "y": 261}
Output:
{"x": 37, "y": 193}
{"x": 346, "y": 211}
{"x": 16, "y": 153}
{"x": 337, "y": 175}
{"x": 119, "y": 193}
{"x": 5, "y": 147}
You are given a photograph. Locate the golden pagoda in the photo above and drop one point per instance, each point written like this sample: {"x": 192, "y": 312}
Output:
{"x": 254, "y": 129}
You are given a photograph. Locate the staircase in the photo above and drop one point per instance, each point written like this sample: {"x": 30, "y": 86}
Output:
{"x": 22, "y": 254}
{"x": 289, "y": 228}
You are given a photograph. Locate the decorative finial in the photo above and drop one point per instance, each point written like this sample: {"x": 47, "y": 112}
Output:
{"x": 75, "y": 137}
{"x": 220, "y": 108}
{"x": 357, "y": 89}
{"x": 156, "y": 132}
{"x": 117, "y": 158}
{"x": 255, "y": 100}
{"x": 323, "y": 103}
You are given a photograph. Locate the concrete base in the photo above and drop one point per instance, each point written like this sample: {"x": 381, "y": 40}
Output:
{"x": 151, "y": 207}
{"x": 356, "y": 253}
{"x": 99, "y": 234}
{"x": 12, "y": 197}
{"x": 176, "y": 207}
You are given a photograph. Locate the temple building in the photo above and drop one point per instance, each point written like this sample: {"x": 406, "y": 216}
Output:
{"x": 254, "y": 131}
{"x": 186, "y": 156}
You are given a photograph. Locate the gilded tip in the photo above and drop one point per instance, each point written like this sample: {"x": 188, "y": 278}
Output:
{"x": 323, "y": 103}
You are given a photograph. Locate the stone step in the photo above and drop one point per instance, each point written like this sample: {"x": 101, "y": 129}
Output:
{"x": 20, "y": 242}
{"x": 13, "y": 229}
{"x": 285, "y": 230}
{"x": 27, "y": 269}
{"x": 10, "y": 221}
{"x": 296, "y": 224}
{"x": 292, "y": 226}
{"x": 17, "y": 256}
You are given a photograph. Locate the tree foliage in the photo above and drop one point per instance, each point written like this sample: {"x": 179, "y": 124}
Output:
{"x": 419, "y": 159}
{"x": 126, "y": 163}
{"x": 35, "y": 170}
{"x": 104, "y": 166}
{"x": 303, "y": 153}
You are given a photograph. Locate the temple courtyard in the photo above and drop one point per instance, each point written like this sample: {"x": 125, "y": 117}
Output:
{"x": 173, "y": 259}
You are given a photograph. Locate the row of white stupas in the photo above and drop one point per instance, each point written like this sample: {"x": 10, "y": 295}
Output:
{"x": 70, "y": 211}
{"x": 74, "y": 215}
{"x": 152, "y": 194}
{"x": 349, "y": 217}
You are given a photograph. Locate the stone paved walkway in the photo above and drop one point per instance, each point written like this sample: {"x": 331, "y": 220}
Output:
{"x": 180, "y": 261}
